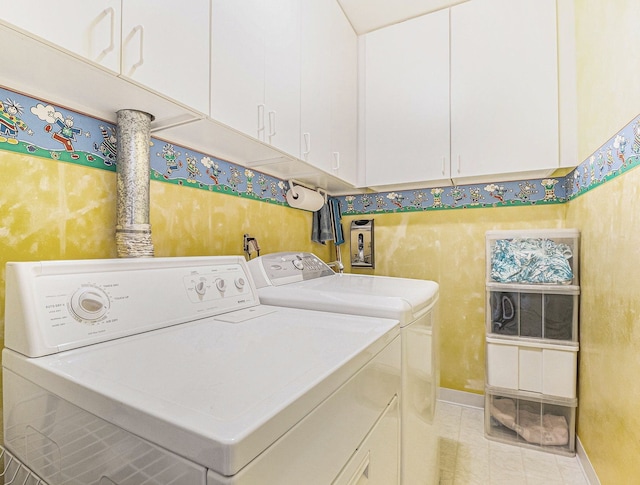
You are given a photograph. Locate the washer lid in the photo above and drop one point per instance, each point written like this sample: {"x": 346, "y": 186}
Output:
{"x": 217, "y": 392}
{"x": 403, "y": 299}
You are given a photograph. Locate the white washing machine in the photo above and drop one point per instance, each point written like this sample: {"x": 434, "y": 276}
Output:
{"x": 302, "y": 280}
{"x": 170, "y": 371}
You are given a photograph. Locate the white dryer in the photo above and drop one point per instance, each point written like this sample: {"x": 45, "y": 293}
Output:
{"x": 302, "y": 280}
{"x": 169, "y": 371}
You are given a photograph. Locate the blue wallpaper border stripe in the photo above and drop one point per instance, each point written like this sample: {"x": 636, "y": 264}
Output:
{"x": 32, "y": 127}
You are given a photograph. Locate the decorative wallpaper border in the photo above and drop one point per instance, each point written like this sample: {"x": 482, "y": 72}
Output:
{"x": 618, "y": 155}
{"x": 37, "y": 128}
{"x": 500, "y": 194}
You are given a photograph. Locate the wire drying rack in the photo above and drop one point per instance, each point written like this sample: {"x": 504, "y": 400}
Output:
{"x": 15, "y": 472}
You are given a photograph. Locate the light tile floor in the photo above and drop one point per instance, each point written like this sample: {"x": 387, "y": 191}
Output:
{"x": 468, "y": 458}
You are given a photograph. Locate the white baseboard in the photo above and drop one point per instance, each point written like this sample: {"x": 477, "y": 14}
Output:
{"x": 585, "y": 463}
{"x": 461, "y": 398}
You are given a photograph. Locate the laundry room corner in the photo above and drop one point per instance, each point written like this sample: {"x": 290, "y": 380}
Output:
{"x": 449, "y": 247}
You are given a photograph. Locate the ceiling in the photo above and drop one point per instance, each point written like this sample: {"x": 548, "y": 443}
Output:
{"x": 368, "y": 15}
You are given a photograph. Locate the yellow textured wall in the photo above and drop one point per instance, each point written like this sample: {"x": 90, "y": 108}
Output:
{"x": 608, "y": 68}
{"x": 608, "y": 418}
{"x": 190, "y": 222}
{"x": 449, "y": 247}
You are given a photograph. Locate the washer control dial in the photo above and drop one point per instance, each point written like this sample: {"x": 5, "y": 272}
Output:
{"x": 240, "y": 282}
{"x": 298, "y": 264}
{"x": 221, "y": 285}
{"x": 201, "y": 287}
{"x": 89, "y": 304}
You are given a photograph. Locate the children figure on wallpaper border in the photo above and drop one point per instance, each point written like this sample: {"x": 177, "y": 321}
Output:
{"x": 396, "y": 199}
{"x": 476, "y": 196}
{"x": 496, "y": 191}
{"x": 213, "y": 169}
{"x": 526, "y": 191}
{"x": 66, "y": 134}
{"x": 457, "y": 194}
{"x": 249, "y": 175}
{"x": 437, "y": 197}
{"x": 170, "y": 156}
{"x": 192, "y": 169}
{"x": 108, "y": 147}
{"x": 419, "y": 198}
{"x": 235, "y": 179}
{"x": 10, "y": 122}
{"x": 263, "y": 184}
{"x": 549, "y": 189}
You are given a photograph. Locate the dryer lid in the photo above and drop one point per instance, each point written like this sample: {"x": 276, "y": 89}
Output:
{"x": 404, "y": 299}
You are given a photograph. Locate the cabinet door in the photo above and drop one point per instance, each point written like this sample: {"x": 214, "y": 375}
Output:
{"x": 167, "y": 48}
{"x": 504, "y": 87}
{"x": 407, "y": 101}
{"x": 89, "y": 29}
{"x": 315, "y": 101}
{"x": 237, "y": 65}
{"x": 344, "y": 97}
{"x": 282, "y": 75}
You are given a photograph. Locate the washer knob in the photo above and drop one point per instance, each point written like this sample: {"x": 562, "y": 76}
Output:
{"x": 298, "y": 264}
{"x": 201, "y": 288}
{"x": 221, "y": 285}
{"x": 240, "y": 282}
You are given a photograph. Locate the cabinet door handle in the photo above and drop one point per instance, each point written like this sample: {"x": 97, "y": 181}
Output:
{"x": 444, "y": 167}
{"x": 307, "y": 145}
{"x": 336, "y": 160}
{"x": 261, "y": 122}
{"x": 458, "y": 163}
{"x": 139, "y": 28}
{"x": 272, "y": 124}
{"x": 112, "y": 33}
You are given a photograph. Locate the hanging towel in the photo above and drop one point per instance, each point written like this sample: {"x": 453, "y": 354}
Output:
{"x": 336, "y": 220}
{"x": 321, "y": 226}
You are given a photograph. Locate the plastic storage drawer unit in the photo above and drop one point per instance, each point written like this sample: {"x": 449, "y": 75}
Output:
{"x": 533, "y": 257}
{"x": 543, "y": 423}
{"x": 523, "y": 366}
{"x": 532, "y": 312}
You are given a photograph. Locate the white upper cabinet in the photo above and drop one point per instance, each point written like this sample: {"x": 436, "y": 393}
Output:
{"x": 329, "y": 89}
{"x": 161, "y": 47}
{"x": 504, "y": 87}
{"x": 237, "y": 65}
{"x": 165, "y": 46}
{"x": 315, "y": 110}
{"x": 406, "y": 101}
{"x": 470, "y": 98}
{"x": 88, "y": 29}
{"x": 255, "y": 69}
{"x": 344, "y": 98}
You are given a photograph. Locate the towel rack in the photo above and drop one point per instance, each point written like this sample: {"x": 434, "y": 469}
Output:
{"x": 16, "y": 472}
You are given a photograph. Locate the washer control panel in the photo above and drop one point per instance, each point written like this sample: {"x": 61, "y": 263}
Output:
{"x": 288, "y": 267}
{"x": 54, "y": 306}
